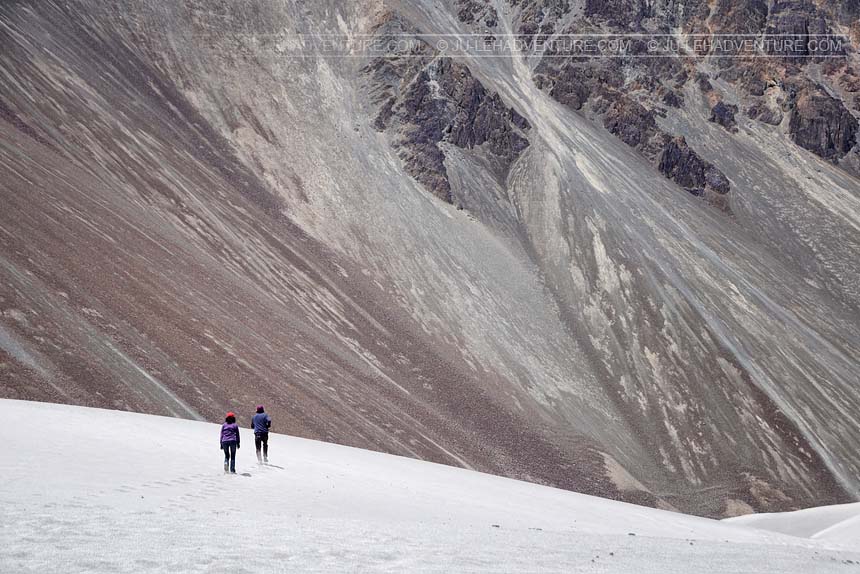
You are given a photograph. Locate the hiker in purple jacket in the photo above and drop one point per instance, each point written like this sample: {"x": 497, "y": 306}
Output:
{"x": 261, "y": 423}
{"x": 230, "y": 442}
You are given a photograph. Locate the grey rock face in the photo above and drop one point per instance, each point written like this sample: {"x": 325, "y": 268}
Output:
{"x": 600, "y": 83}
{"x": 476, "y": 11}
{"x": 765, "y": 114}
{"x": 428, "y": 100}
{"x": 684, "y": 166}
{"x": 822, "y": 124}
{"x": 672, "y": 99}
{"x": 724, "y": 115}
{"x": 651, "y": 82}
{"x": 574, "y": 85}
{"x": 619, "y": 13}
{"x": 636, "y": 126}
{"x": 631, "y": 122}
{"x": 800, "y": 21}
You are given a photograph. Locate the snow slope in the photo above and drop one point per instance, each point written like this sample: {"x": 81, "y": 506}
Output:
{"x": 839, "y": 523}
{"x": 87, "y": 490}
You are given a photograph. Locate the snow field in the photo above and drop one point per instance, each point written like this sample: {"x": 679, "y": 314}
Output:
{"x": 89, "y": 490}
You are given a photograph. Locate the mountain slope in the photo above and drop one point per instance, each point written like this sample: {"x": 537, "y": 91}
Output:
{"x": 201, "y": 211}
{"x": 124, "y": 492}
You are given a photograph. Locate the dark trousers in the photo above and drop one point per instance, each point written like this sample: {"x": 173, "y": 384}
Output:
{"x": 262, "y": 439}
{"x": 229, "y": 449}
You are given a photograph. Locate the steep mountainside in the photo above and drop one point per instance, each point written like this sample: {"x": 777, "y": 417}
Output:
{"x": 500, "y": 262}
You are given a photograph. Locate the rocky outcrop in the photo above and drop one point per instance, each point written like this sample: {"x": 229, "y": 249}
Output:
{"x": 673, "y": 99}
{"x": 479, "y": 116}
{"x": 620, "y": 13}
{"x": 631, "y": 122}
{"x": 627, "y": 92}
{"x": 574, "y": 84}
{"x": 637, "y": 126}
{"x": 686, "y": 168}
{"x": 800, "y": 22}
{"x": 425, "y": 100}
{"x": 763, "y": 113}
{"x": 822, "y": 124}
{"x": 540, "y": 16}
{"x": 743, "y": 17}
{"x": 724, "y": 115}
{"x": 476, "y": 11}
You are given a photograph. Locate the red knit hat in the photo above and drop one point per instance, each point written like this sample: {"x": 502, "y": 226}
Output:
{"x": 230, "y": 414}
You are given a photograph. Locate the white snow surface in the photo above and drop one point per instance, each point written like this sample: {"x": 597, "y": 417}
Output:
{"x": 839, "y": 523}
{"x": 88, "y": 490}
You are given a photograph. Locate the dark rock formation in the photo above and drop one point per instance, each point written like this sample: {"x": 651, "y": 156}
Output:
{"x": 850, "y": 80}
{"x": 628, "y": 90}
{"x": 631, "y": 122}
{"x": 761, "y": 112}
{"x": 847, "y": 11}
{"x": 636, "y": 126}
{"x": 479, "y": 116}
{"x": 704, "y": 82}
{"x": 744, "y": 17}
{"x": 686, "y": 168}
{"x": 540, "y": 16}
{"x": 801, "y": 23}
{"x": 474, "y": 11}
{"x": 574, "y": 84}
{"x": 622, "y": 90}
{"x": 673, "y": 99}
{"x": 426, "y": 100}
{"x": 822, "y": 124}
{"x": 620, "y": 13}
{"x": 724, "y": 115}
